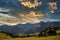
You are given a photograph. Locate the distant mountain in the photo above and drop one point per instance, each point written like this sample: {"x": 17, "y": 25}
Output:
{"x": 28, "y": 28}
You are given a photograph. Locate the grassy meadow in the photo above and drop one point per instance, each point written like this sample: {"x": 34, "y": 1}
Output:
{"x": 34, "y": 38}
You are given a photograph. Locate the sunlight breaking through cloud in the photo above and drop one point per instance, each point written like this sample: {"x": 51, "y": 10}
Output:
{"x": 30, "y": 4}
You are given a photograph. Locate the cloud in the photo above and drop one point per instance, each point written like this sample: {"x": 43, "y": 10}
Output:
{"x": 31, "y": 17}
{"x": 8, "y": 19}
{"x": 30, "y": 3}
{"x": 4, "y": 10}
{"x": 19, "y": 18}
{"x": 1, "y": 24}
{"x": 52, "y": 6}
{"x": 49, "y": 20}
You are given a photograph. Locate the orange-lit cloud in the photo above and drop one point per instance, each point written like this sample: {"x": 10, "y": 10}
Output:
{"x": 32, "y": 17}
{"x": 53, "y": 6}
{"x": 29, "y": 4}
{"x": 35, "y": 14}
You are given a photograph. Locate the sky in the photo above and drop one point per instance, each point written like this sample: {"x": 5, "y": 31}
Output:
{"x": 13, "y": 12}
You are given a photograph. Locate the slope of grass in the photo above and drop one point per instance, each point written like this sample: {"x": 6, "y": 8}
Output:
{"x": 36, "y": 38}
{"x": 4, "y": 36}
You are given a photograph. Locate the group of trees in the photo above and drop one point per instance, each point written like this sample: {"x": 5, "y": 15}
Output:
{"x": 50, "y": 31}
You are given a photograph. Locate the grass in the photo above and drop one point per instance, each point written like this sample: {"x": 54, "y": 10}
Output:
{"x": 4, "y": 36}
{"x": 36, "y": 38}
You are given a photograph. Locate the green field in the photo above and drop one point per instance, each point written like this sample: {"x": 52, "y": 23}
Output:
{"x": 35, "y": 38}
{"x": 4, "y": 36}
